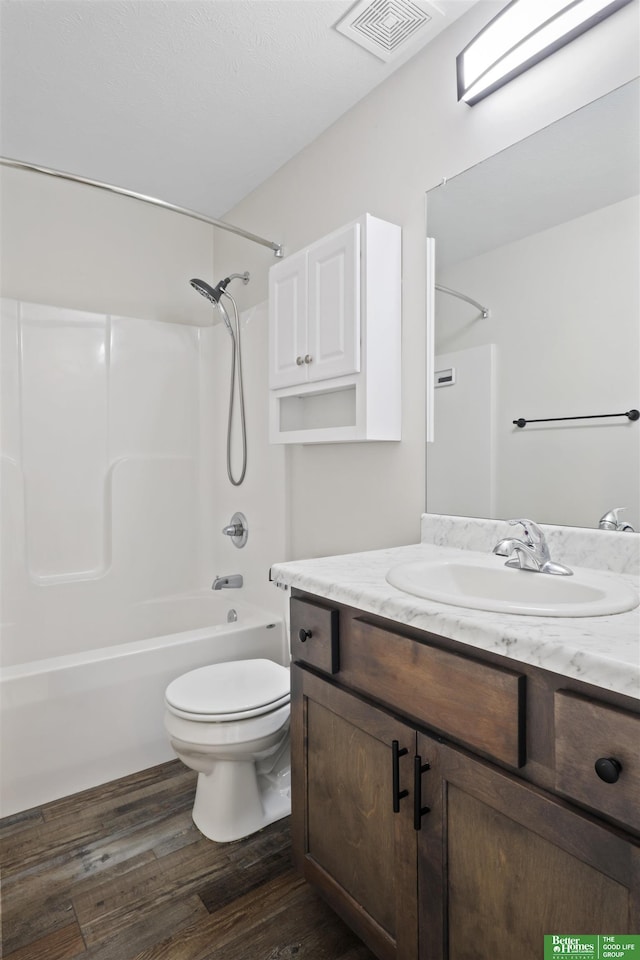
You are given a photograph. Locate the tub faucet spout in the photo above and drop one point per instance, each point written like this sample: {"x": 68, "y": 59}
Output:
{"x": 231, "y": 580}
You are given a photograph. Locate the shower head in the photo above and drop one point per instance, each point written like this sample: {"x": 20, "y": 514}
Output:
{"x": 214, "y": 293}
{"x": 211, "y": 293}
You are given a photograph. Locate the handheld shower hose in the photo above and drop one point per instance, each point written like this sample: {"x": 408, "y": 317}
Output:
{"x": 214, "y": 294}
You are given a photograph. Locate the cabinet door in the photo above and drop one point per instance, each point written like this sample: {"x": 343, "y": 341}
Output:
{"x": 333, "y": 344}
{"x": 288, "y": 321}
{"x": 517, "y": 864}
{"x": 347, "y": 839}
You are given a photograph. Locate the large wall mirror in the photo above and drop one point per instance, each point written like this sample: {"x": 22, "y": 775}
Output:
{"x": 545, "y": 235}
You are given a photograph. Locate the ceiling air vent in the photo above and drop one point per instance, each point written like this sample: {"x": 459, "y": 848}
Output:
{"x": 389, "y": 28}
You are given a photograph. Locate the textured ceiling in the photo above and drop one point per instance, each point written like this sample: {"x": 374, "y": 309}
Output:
{"x": 192, "y": 102}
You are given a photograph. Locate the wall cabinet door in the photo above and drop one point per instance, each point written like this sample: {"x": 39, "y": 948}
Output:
{"x": 517, "y": 864}
{"x": 288, "y": 321}
{"x": 314, "y": 312}
{"x": 333, "y": 339}
{"x": 347, "y": 839}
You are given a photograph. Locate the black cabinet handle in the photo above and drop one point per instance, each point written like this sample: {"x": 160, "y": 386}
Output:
{"x": 418, "y": 810}
{"x": 304, "y": 635}
{"x": 608, "y": 769}
{"x": 398, "y": 794}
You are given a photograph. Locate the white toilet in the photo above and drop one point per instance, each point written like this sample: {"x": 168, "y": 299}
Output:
{"x": 230, "y": 722}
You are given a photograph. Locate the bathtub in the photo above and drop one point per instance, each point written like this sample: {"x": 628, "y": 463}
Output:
{"x": 77, "y": 720}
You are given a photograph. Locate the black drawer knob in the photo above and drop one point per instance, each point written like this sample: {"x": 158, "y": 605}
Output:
{"x": 304, "y": 634}
{"x": 608, "y": 769}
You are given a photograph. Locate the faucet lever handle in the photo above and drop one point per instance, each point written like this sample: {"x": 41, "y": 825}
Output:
{"x": 532, "y": 551}
{"x": 534, "y": 538}
{"x": 612, "y": 521}
{"x": 532, "y": 531}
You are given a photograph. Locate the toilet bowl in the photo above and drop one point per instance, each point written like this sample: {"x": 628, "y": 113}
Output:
{"x": 230, "y": 722}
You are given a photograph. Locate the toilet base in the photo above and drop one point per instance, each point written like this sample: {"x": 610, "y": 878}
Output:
{"x": 235, "y": 799}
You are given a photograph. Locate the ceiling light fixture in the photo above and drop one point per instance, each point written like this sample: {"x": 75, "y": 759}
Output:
{"x": 522, "y": 34}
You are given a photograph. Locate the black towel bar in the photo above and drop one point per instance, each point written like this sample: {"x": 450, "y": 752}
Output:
{"x": 631, "y": 414}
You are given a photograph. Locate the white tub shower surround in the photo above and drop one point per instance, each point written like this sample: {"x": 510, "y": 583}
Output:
{"x": 107, "y": 544}
{"x": 100, "y": 471}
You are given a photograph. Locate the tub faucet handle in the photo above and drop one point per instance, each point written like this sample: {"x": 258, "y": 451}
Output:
{"x": 233, "y": 530}
{"x": 237, "y": 529}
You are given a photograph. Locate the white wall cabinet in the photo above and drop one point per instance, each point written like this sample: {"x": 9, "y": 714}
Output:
{"x": 334, "y": 337}
{"x": 315, "y": 315}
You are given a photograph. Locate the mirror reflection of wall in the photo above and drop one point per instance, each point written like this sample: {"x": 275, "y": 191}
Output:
{"x": 546, "y": 235}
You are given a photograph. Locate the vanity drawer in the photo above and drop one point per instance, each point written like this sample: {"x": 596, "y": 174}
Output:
{"x": 477, "y": 704}
{"x": 587, "y": 731}
{"x": 314, "y": 635}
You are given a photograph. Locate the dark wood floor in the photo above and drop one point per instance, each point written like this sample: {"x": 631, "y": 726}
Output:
{"x": 120, "y": 873}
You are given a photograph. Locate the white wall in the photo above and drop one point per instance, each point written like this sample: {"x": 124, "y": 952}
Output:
{"x": 70, "y": 245}
{"x": 381, "y": 157}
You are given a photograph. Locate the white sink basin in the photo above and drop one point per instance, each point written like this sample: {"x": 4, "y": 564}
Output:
{"x": 486, "y": 584}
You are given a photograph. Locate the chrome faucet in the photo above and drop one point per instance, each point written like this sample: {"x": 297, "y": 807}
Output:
{"x": 531, "y": 553}
{"x": 232, "y": 580}
{"x": 612, "y": 521}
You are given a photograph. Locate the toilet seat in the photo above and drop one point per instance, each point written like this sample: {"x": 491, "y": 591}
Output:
{"x": 234, "y": 690}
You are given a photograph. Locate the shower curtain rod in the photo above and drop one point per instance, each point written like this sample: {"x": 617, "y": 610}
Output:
{"x": 461, "y": 296}
{"x": 110, "y": 188}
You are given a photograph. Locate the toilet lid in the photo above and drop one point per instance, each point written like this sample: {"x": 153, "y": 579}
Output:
{"x": 232, "y": 690}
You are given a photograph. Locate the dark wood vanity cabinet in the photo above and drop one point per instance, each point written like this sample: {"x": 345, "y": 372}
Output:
{"x": 454, "y": 847}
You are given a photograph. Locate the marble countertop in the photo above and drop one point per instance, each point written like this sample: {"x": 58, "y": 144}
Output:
{"x": 604, "y": 651}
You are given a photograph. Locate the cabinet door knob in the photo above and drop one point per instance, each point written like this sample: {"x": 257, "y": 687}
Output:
{"x": 398, "y": 794}
{"x": 608, "y": 769}
{"x": 304, "y": 635}
{"x": 299, "y": 361}
{"x": 307, "y": 358}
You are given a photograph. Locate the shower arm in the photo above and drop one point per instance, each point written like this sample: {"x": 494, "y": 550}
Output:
{"x": 121, "y": 191}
